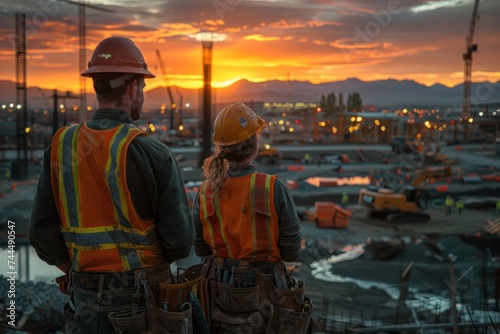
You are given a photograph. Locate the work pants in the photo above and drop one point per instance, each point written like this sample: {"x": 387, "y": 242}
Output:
{"x": 95, "y": 295}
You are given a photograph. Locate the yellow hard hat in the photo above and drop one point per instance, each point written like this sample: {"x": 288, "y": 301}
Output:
{"x": 235, "y": 124}
{"x": 117, "y": 55}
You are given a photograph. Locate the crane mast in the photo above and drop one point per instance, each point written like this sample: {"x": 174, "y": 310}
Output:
{"x": 470, "y": 47}
{"x": 82, "y": 49}
{"x": 169, "y": 91}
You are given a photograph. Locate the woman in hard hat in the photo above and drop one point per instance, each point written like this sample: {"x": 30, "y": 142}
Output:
{"x": 248, "y": 223}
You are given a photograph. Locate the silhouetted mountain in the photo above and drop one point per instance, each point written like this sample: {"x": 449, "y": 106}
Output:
{"x": 382, "y": 93}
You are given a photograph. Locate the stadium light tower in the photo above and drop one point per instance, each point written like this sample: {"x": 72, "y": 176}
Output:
{"x": 207, "y": 38}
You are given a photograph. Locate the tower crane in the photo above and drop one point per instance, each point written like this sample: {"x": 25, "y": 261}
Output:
{"x": 470, "y": 47}
{"x": 83, "y": 48}
{"x": 173, "y": 106}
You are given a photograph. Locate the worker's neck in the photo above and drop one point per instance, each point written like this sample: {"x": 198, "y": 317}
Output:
{"x": 113, "y": 105}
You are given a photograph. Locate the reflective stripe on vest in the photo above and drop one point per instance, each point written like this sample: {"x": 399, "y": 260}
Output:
{"x": 241, "y": 221}
{"x": 99, "y": 223}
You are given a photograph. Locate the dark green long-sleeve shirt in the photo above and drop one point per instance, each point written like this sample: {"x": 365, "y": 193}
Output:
{"x": 157, "y": 190}
{"x": 290, "y": 235}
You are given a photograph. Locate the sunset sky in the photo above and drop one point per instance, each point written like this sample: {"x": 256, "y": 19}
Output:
{"x": 307, "y": 40}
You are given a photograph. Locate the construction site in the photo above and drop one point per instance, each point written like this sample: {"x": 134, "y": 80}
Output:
{"x": 396, "y": 237}
{"x": 365, "y": 270}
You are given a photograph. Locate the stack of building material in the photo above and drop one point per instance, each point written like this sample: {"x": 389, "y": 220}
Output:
{"x": 493, "y": 226}
{"x": 329, "y": 214}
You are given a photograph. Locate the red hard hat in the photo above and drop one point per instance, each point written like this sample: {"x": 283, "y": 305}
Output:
{"x": 117, "y": 55}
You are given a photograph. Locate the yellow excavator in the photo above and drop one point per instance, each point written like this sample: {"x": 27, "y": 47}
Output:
{"x": 407, "y": 205}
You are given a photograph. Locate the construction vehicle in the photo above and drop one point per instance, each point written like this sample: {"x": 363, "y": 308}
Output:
{"x": 268, "y": 155}
{"x": 407, "y": 205}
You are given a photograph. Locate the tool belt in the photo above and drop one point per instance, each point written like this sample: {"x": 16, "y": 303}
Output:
{"x": 256, "y": 297}
{"x": 265, "y": 267}
{"x": 94, "y": 280}
{"x": 174, "y": 307}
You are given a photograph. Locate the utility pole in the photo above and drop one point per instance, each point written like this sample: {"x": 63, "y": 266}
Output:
{"x": 55, "y": 115}
{"x": 21, "y": 167}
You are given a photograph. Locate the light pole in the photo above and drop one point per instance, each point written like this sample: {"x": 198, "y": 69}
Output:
{"x": 207, "y": 38}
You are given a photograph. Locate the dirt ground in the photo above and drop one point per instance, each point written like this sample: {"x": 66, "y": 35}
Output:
{"x": 366, "y": 289}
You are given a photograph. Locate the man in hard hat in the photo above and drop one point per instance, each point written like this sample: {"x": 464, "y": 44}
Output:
{"x": 110, "y": 209}
{"x": 248, "y": 223}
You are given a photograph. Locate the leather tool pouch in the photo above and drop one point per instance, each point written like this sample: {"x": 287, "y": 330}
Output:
{"x": 291, "y": 311}
{"x": 154, "y": 317}
{"x": 239, "y": 309}
{"x": 126, "y": 322}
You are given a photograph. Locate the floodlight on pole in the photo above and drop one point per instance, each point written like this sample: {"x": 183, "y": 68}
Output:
{"x": 207, "y": 38}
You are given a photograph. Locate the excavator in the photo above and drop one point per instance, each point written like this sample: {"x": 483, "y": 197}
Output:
{"x": 407, "y": 205}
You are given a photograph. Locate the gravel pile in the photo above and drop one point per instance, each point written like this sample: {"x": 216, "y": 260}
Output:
{"x": 38, "y": 305}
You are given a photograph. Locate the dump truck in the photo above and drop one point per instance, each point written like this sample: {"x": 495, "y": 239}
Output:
{"x": 407, "y": 205}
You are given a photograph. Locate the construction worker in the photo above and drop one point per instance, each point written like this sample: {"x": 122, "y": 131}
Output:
{"x": 344, "y": 200}
{"x": 307, "y": 158}
{"x": 448, "y": 204}
{"x": 460, "y": 206}
{"x": 498, "y": 207}
{"x": 110, "y": 209}
{"x": 247, "y": 221}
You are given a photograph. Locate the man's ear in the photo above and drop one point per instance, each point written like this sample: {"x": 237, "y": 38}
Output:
{"x": 132, "y": 89}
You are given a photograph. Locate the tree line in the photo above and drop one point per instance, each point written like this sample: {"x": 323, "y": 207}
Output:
{"x": 330, "y": 103}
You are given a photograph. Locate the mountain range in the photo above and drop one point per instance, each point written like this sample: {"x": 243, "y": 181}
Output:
{"x": 381, "y": 93}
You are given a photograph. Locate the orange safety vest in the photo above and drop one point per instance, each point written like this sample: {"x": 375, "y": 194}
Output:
{"x": 99, "y": 223}
{"x": 243, "y": 224}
